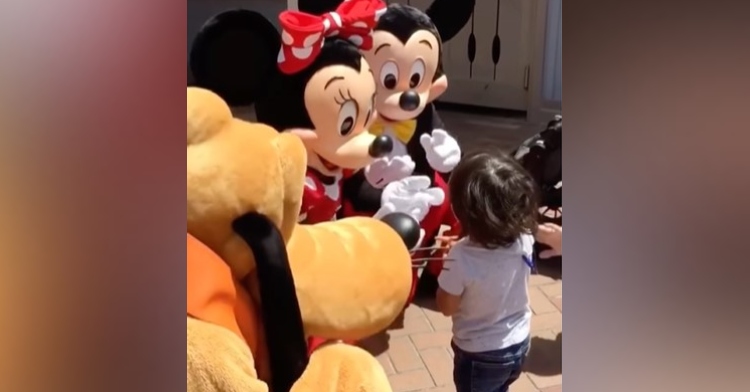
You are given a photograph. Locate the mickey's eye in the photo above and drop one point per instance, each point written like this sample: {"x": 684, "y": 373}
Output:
{"x": 347, "y": 117}
{"x": 389, "y": 75}
{"x": 417, "y": 73}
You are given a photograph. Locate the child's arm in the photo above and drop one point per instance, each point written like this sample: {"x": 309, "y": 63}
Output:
{"x": 451, "y": 285}
{"x": 447, "y": 304}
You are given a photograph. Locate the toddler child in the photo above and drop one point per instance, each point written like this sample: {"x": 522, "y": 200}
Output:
{"x": 484, "y": 287}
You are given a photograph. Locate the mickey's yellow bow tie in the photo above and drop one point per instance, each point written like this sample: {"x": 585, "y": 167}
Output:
{"x": 403, "y": 130}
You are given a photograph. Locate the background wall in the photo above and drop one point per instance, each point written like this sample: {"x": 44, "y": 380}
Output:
{"x": 552, "y": 82}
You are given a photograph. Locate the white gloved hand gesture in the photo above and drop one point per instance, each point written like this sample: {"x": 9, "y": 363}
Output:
{"x": 384, "y": 171}
{"x": 443, "y": 151}
{"x": 412, "y": 196}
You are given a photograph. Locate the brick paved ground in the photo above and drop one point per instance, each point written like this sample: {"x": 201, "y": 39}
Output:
{"x": 416, "y": 353}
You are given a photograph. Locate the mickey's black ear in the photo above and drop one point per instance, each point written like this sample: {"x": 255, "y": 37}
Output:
{"x": 318, "y": 7}
{"x": 234, "y": 54}
{"x": 450, "y": 16}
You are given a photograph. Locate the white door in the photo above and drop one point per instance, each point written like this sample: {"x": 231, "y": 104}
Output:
{"x": 487, "y": 80}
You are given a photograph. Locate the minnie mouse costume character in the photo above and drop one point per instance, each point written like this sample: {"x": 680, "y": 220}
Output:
{"x": 406, "y": 60}
{"x": 328, "y": 100}
{"x": 324, "y": 92}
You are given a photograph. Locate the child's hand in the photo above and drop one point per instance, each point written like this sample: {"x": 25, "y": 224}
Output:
{"x": 550, "y": 234}
{"x": 446, "y": 242}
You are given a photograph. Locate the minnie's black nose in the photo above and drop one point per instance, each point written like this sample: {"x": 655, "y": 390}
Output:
{"x": 381, "y": 146}
{"x": 406, "y": 227}
{"x": 409, "y": 101}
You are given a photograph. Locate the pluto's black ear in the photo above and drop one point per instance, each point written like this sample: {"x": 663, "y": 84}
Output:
{"x": 282, "y": 318}
{"x": 318, "y": 7}
{"x": 234, "y": 54}
{"x": 450, "y": 16}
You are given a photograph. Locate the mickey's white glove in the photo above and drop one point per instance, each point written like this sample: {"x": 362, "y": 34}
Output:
{"x": 412, "y": 196}
{"x": 384, "y": 171}
{"x": 443, "y": 151}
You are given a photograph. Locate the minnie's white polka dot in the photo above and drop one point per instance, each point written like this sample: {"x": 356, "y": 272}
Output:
{"x": 310, "y": 40}
{"x": 360, "y": 24}
{"x": 356, "y": 40}
{"x": 287, "y": 38}
{"x": 326, "y": 25}
{"x": 302, "y": 53}
{"x": 280, "y": 58}
{"x": 336, "y": 19}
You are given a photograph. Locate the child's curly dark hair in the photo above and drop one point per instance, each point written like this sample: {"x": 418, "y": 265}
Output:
{"x": 494, "y": 199}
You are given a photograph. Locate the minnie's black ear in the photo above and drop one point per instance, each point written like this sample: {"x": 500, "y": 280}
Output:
{"x": 318, "y": 7}
{"x": 234, "y": 54}
{"x": 450, "y": 16}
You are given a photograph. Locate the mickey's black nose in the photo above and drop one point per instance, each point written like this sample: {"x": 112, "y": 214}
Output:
{"x": 409, "y": 101}
{"x": 381, "y": 146}
{"x": 406, "y": 227}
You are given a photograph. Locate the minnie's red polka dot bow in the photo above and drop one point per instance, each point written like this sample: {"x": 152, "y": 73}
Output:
{"x": 303, "y": 35}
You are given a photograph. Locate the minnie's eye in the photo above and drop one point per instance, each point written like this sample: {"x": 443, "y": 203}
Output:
{"x": 347, "y": 117}
{"x": 417, "y": 73}
{"x": 389, "y": 75}
{"x": 369, "y": 112}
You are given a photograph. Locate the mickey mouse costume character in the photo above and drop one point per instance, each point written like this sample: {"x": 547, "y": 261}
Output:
{"x": 406, "y": 57}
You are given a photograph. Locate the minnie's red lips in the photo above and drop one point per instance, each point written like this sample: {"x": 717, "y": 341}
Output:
{"x": 328, "y": 165}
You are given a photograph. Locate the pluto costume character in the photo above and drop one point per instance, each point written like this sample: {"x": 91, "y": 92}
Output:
{"x": 258, "y": 283}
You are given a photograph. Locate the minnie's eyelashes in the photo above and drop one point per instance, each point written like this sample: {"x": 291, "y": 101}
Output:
{"x": 344, "y": 96}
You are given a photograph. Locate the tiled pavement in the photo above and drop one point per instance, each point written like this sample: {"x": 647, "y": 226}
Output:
{"x": 416, "y": 353}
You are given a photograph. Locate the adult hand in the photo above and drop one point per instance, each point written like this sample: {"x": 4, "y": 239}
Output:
{"x": 550, "y": 234}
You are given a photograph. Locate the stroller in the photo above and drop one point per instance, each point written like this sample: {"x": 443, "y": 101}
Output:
{"x": 541, "y": 155}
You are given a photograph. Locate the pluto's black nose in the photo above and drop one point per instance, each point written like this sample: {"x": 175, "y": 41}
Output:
{"x": 381, "y": 146}
{"x": 406, "y": 227}
{"x": 409, "y": 101}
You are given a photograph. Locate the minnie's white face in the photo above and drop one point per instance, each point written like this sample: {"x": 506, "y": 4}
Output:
{"x": 340, "y": 103}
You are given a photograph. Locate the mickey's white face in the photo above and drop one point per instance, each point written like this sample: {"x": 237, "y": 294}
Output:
{"x": 405, "y": 73}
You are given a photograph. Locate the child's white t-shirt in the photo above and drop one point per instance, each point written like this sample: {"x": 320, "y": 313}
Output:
{"x": 493, "y": 285}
